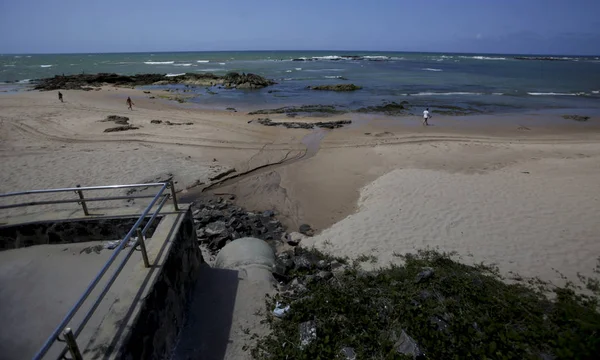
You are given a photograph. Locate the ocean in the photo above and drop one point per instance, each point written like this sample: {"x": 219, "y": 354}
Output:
{"x": 478, "y": 82}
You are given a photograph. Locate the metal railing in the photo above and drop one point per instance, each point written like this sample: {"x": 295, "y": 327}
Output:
{"x": 70, "y": 336}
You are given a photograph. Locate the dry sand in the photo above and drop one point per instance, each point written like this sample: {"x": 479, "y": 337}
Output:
{"x": 530, "y": 218}
{"x": 521, "y": 191}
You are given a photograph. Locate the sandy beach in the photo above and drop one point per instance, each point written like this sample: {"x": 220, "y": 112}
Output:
{"x": 520, "y": 191}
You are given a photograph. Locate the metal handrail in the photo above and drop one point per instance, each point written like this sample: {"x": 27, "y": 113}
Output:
{"x": 136, "y": 228}
{"x": 113, "y": 278}
{"x": 104, "y": 187}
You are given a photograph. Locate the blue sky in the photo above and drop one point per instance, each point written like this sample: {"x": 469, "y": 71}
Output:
{"x": 491, "y": 26}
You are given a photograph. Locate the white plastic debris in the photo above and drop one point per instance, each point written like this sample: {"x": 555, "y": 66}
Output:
{"x": 280, "y": 311}
{"x": 113, "y": 244}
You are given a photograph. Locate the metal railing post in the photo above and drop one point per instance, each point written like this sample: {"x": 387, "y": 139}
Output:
{"x": 173, "y": 195}
{"x": 83, "y": 205}
{"x": 140, "y": 242}
{"x": 72, "y": 344}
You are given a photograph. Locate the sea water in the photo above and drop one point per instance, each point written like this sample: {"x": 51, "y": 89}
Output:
{"x": 490, "y": 83}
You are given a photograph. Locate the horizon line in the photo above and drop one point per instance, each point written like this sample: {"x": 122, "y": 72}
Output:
{"x": 313, "y": 50}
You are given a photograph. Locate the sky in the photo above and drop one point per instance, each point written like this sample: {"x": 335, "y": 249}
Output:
{"x": 480, "y": 26}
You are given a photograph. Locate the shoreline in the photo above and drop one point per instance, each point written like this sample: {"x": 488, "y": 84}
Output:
{"x": 45, "y": 143}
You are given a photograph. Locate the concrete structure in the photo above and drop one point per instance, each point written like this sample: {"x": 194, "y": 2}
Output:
{"x": 140, "y": 316}
{"x": 228, "y": 301}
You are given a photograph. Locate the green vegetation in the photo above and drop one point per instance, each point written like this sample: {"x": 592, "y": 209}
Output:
{"x": 451, "y": 310}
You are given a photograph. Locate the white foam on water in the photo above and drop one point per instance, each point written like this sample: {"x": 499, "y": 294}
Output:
{"x": 288, "y": 71}
{"x": 221, "y": 63}
{"x": 445, "y": 94}
{"x": 208, "y": 70}
{"x": 483, "y": 58}
{"x": 17, "y": 56}
{"x": 45, "y": 66}
{"x": 9, "y": 65}
{"x": 173, "y": 75}
{"x": 431, "y": 69}
{"x": 298, "y": 69}
{"x": 333, "y": 77}
{"x": 596, "y": 92}
{"x": 182, "y": 64}
{"x": 328, "y": 57}
{"x": 377, "y": 57}
{"x": 497, "y": 93}
{"x": 28, "y": 56}
{"x": 321, "y": 70}
{"x": 397, "y": 58}
{"x": 159, "y": 62}
{"x": 553, "y": 94}
{"x": 24, "y": 81}
{"x": 202, "y": 61}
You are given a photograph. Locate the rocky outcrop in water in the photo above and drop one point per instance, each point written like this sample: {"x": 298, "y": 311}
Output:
{"x": 576, "y": 117}
{"x": 346, "y": 57}
{"x": 539, "y": 58}
{"x": 391, "y": 108}
{"x": 320, "y": 109}
{"x": 245, "y": 81}
{"x": 86, "y": 81}
{"x": 337, "y": 87}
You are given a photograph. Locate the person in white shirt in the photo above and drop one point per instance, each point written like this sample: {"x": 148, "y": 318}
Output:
{"x": 426, "y": 116}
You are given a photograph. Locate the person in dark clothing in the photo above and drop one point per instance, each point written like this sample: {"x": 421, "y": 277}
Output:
{"x": 130, "y": 103}
{"x": 60, "y": 96}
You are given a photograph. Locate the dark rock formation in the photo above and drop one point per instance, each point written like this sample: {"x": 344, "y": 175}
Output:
{"x": 120, "y": 120}
{"x": 406, "y": 345}
{"x": 305, "y": 125}
{"x": 245, "y": 81}
{"x": 306, "y": 230}
{"x": 83, "y": 81}
{"x": 539, "y": 58}
{"x": 337, "y": 87}
{"x": 425, "y": 274}
{"x": 576, "y": 117}
{"x": 321, "y": 109}
{"x": 391, "y": 108}
{"x": 121, "y": 128}
{"x": 219, "y": 221}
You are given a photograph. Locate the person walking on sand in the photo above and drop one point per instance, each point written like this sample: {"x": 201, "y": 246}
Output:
{"x": 130, "y": 103}
{"x": 426, "y": 117}
{"x": 60, "y": 97}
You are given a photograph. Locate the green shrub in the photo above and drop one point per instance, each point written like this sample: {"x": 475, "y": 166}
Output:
{"x": 454, "y": 312}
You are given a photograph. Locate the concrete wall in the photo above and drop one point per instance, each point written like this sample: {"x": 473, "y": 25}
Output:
{"x": 161, "y": 318}
{"x": 68, "y": 232}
